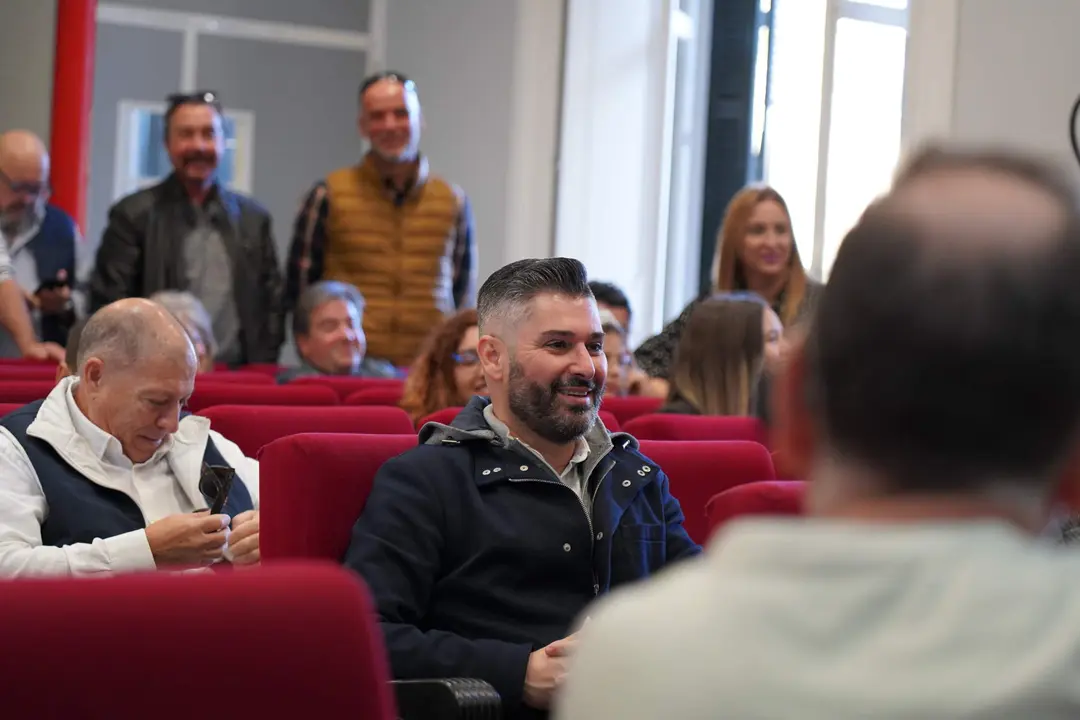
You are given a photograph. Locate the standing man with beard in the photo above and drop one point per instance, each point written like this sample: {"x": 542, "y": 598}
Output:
{"x": 190, "y": 233}
{"x": 43, "y": 248}
{"x": 482, "y": 545}
{"x": 389, "y": 227}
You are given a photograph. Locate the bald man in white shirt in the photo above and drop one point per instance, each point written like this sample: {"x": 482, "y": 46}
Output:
{"x": 109, "y": 474}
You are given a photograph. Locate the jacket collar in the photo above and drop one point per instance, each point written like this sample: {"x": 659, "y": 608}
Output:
{"x": 470, "y": 426}
{"x": 219, "y": 198}
{"x": 56, "y": 425}
{"x": 370, "y": 171}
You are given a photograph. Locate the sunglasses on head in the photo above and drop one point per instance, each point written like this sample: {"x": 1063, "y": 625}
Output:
{"x": 397, "y": 77}
{"x": 201, "y": 97}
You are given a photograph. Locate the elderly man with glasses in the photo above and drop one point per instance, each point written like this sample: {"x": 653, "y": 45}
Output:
{"x": 39, "y": 258}
{"x": 191, "y": 233}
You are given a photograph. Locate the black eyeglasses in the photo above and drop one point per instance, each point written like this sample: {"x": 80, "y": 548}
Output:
{"x": 202, "y": 97}
{"x": 34, "y": 189}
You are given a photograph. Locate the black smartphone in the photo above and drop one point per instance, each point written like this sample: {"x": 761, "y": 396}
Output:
{"x": 53, "y": 284}
{"x": 215, "y": 483}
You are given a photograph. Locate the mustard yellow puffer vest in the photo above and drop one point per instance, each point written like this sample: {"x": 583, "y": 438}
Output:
{"x": 400, "y": 257}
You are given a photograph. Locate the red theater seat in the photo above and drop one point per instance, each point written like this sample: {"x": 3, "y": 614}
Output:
{"x": 662, "y": 426}
{"x": 777, "y": 497}
{"x": 252, "y": 426}
{"x": 629, "y": 407}
{"x": 291, "y": 639}
{"x": 700, "y": 469}
{"x": 270, "y": 369}
{"x": 312, "y": 488}
{"x": 6, "y": 408}
{"x": 24, "y": 391}
{"x": 379, "y": 395}
{"x": 243, "y": 378}
{"x": 211, "y": 394}
{"x": 346, "y": 385}
{"x": 28, "y": 372}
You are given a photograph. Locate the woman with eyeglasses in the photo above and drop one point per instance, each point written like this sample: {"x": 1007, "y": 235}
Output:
{"x": 447, "y": 372}
{"x": 623, "y": 378}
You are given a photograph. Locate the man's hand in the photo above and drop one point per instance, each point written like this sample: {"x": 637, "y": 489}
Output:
{"x": 44, "y": 351}
{"x": 244, "y": 540}
{"x": 187, "y": 540}
{"x": 546, "y": 671}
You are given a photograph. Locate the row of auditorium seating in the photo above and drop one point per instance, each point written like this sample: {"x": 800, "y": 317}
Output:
{"x": 314, "y": 485}
{"x": 301, "y": 639}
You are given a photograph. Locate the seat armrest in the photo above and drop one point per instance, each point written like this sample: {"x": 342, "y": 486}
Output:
{"x": 447, "y": 699}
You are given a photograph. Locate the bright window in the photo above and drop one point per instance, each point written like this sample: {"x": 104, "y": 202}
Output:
{"x": 832, "y": 128}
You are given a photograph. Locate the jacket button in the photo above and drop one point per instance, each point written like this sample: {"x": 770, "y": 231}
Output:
{"x": 486, "y": 472}
{"x": 523, "y": 468}
{"x": 641, "y": 473}
{"x": 646, "y": 468}
{"x": 497, "y": 470}
{"x": 600, "y": 536}
{"x": 626, "y": 483}
{"x": 566, "y": 547}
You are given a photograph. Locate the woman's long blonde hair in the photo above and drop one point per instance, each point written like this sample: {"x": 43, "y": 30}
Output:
{"x": 720, "y": 355}
{"x": 727, "y": 271}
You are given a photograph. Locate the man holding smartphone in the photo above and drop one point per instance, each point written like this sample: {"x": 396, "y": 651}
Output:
{"x": 109, "y": 474}
{"x": 43, "y": 246}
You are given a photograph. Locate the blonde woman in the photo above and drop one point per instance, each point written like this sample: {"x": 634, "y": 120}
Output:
{"x": 725, "y": 345}
{"x": 755, "y": 252}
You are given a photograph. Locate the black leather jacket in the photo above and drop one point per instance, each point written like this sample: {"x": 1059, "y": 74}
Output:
{"x": 141, "y": 253}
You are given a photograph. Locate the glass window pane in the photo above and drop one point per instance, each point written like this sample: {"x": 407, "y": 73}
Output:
{"x": 864, "y": 132}
{"x": 793, "y": 119}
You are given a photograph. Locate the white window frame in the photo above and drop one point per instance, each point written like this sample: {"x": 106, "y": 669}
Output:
{"x": 836, "y": 10}
{"x": 126, "y": 178}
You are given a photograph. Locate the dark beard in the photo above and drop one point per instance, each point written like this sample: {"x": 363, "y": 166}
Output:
{"x": 540, "y": 407}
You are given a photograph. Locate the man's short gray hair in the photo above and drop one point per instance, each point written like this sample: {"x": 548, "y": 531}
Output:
{"x": 319, "y": 294}
{"x": 507, "y": 290}
{"x": 190, "y": 311}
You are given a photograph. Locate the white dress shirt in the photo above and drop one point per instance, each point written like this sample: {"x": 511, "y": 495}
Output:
{"x": 817, "y": 619}
{"x": 166, "y": 484}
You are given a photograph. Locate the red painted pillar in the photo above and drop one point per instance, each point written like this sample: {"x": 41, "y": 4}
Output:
{"x": 73, "y": 92}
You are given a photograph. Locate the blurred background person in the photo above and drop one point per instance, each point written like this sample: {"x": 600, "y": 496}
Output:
{"x": 329, "y": 334}
{"x": 622, "y": 377}
{"x": 447, "y": 372}
{"x": 358, "y": 225}
{"x": 189, "y": 232}
{"x": 756, "y": 252}
{"x": 48, "y": 256}
{"x": 721, "y": 355}
{"x": 191, "y": 313}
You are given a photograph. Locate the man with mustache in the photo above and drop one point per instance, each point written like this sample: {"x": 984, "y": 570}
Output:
{"x": 191, "y": 233}
{"x": 483, "y": 544}
{"x": 390, "y": 227}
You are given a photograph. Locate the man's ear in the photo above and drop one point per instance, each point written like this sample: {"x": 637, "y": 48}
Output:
{"x": 491, "y": 351}
{"x": 793, "y": 435}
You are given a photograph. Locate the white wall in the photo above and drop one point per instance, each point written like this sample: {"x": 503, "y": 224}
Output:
{"x": 612, "y": 197}
{"x": 994, "y": 71}
{"x": 488, "y": 74}
{"x": 27, "y": 32}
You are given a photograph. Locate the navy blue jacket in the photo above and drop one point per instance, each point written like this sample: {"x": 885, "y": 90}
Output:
{"x": 477, "y": 554}
{"x": 53, "y": 248}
